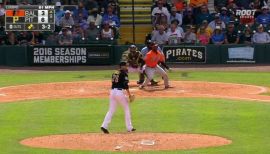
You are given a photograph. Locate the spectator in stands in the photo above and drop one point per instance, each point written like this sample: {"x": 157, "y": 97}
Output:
{"x": 202, "y": 36}
{"x": 246, "y": 38}
{"x": 217, "y": 22}
{"x": 220, "y": 3}
{"x": 67, "y": 20}
{"x": 264, "y": 18}
{"x": 234, "y": 18}
{"x": 103, "y": 4}
{"x": 2, "y": 15}
{"x": 179, "y": 28}
{"x": 2, "y": 36}
{"x": 92, "y": 33}
{"x": 203, "y": 15}
{"x": 176, "y": 16}
{"x": 90, "y": 4}
{"x": 78, "y": 35}
{"x": 218, "y": 36}
{"x": 107, "y": 32}
{"x": 261, "y": 3}
{"x": 231, "y": 36}
{"x": 81, "y": 21}
{"x": 111, "y": 18}
{"x": 179, "y": 5}
{"x": 37, "y": 38}
{"x": 197, "y": 5}
{"x": 115, "y": 7}
{"x": 190, "y": 36}
{"x": 11, "y": 38}
{"x": 189, "y": 18}
{"x": 260, "y": 36}
{"x": 256, "y": 6}
{"x": 164, "y": 4}
{"x": 174, "y": 35}
{"x": 81, "y": 10}
{"x": 243, "y": 4}
{"x": 160, "y": 36}
{"x": 65, "y": 38}
{"x": 159, "y": 13}
{"x": 231, "y": 6}
{"x": 24, "y": 38}
{"x": 58, "y": 13}
{"x": 94, "y": 16}
{"x": 224, "y": 15}
{"x": 208, "y": 30}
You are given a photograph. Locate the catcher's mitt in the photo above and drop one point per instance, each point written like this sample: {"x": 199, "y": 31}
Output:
{"x": 131, "y": 98}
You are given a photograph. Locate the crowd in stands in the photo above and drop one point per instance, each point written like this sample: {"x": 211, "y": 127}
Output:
{"x": 174, "y": 22}
{"x": 177, "y": 22}
{"x": 82, "y": 22}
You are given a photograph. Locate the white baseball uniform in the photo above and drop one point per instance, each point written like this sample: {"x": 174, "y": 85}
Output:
{"x": 117, "y": 96}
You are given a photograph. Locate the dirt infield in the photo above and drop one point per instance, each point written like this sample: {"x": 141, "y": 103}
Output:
{"x": 126, "y": 142}
{"x": 92, "y": 89}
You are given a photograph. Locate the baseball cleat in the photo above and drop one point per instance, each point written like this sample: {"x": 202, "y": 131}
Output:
{"x": 154, "y": 83}
{"x": 141, "y": 87}
{"x": 140, "y": 82}
{"x": 104, "y": 130}
{"x": 166, "y": 87}
{"x": 132, "y": 130}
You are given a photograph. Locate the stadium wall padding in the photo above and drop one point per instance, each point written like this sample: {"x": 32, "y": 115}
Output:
{"x": 15, "y": 55}
{"x": 2, "y": 56}
{"x": 267, "y": 54}
{"x": 215, "y": 54}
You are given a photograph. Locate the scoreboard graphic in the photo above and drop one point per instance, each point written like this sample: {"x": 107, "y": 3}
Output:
{"x": 30, "y": 18}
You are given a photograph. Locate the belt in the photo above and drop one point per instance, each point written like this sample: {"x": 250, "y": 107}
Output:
{"x": 151, "y": 67}
{"x": 118, "y": 88}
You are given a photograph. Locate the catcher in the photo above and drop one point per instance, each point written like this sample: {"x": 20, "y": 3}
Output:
{"x": 135, "y": 62}
{"x": 117, "y": 96}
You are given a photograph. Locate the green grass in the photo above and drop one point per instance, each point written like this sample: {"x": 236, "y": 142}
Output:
{"x": 256, "y": 78}
{"x": 245, "y": 123}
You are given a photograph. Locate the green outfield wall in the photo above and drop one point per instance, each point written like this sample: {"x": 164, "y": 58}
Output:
{"x": 104, "y": 54}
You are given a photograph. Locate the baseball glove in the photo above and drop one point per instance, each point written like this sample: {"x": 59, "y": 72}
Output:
{"x": 131, "y": 98}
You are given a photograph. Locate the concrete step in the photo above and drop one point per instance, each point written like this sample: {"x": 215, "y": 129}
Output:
{"x": 136, "y": 16}
{"x": 137, "y": 21}
{"x": 136, "y": 5}
{"x": 140, "y": 33}
{"x": 136, "y": 9}
{"x": 135, "y": 1}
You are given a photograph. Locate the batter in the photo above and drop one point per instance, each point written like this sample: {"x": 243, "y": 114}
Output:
{"x": 152, "y": 59}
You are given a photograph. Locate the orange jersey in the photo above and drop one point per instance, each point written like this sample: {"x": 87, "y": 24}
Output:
{"x": 197, "y": 3}
{"x": 153, "y": 58}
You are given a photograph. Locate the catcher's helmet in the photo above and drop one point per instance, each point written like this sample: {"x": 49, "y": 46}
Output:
{"x": 122, "y": 63}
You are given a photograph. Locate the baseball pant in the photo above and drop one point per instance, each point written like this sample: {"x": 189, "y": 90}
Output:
{"x": 137, "y": 70}
{"x": 150, "y": 72}
{"x": 134, "y": 70}
{"x": 118, "y": 97}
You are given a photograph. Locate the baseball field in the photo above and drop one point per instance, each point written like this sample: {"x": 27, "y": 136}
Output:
{"x": 66, "y": 109}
